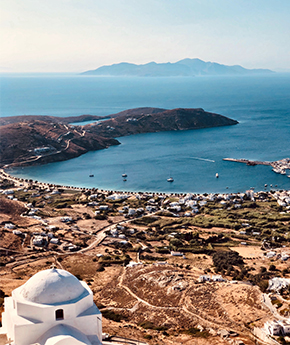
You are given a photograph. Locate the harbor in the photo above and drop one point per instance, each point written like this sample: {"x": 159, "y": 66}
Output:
{"x": 279, "y": 167}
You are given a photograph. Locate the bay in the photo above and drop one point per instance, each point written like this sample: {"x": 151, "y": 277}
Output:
{"x": 261, "y": 104}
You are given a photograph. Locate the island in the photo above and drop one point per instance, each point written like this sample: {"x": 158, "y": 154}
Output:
{"x": 31, "y": 140}
{"x": 182, "y": 68}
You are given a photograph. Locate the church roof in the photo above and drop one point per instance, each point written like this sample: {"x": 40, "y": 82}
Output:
{"x": 52, "y": 286}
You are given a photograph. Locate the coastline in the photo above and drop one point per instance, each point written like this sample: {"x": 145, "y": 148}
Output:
{"x": 21, "y": 182}
{"x": 34, "y": 140}
{"x": 59, "y": 175}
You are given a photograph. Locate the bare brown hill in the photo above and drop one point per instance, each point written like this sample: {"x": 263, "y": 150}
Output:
{"x": 29, "y": 118}
{"x": 42, "y": 142}
{"x": 70, "y": 119}
{"x": 39, "y": 140}
{"x": 162, "y": 120}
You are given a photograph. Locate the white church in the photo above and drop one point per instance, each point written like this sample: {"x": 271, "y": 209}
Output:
{"x": 52, "y": 308}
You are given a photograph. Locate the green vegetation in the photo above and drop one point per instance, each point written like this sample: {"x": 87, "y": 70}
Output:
{"x": 196, "y": 332}
{"x": 277, "y": 303}
{"x": 223, "y": 261}
{"x": 150, "y": 325}
{"x": 111, "y": 315}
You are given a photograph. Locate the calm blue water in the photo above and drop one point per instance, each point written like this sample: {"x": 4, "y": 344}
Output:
{"x": 260, "y": 103}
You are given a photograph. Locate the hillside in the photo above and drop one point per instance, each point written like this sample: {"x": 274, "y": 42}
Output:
{"x": 167, "y": 120}
{"x": 216, "y": 288}
{"x": 185, "y": 67}
{"x": 29, "y": 118}
{"x": 40, "y": 140}
{"x": 24, "y": 142}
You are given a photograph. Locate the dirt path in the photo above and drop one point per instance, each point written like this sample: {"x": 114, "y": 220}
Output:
{"x": 182, "y": 308}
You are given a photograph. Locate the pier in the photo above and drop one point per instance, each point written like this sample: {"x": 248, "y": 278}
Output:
{"x": 247, "y": 161}
{"x": 279, "y": 167}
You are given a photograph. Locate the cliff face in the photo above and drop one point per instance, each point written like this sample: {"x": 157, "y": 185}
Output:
{"x": 39, "y": 141}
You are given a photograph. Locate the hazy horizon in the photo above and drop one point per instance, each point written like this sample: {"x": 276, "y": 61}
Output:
{"x": 286, "y": 70}
{"x": 71, "y": 36}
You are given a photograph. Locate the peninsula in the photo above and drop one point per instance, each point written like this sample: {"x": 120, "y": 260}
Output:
{"x": 185, "y": 68}
{"x": 31, "y": 140}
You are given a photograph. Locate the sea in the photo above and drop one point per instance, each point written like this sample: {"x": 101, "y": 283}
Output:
{"x": 260, "y": 103}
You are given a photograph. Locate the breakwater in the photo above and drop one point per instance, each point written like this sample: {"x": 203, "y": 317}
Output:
{"x": 279, "y": 167}
{"x": 247, "y": 161}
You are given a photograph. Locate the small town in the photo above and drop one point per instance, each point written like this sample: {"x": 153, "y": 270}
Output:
{"x": 220, "y": 259}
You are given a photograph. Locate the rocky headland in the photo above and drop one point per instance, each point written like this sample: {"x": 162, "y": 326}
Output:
{"x": 31, "y": 140}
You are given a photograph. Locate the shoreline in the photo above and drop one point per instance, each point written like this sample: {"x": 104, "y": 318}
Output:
{"x": 21, "y": 181}
{"x": 279, "y": 167}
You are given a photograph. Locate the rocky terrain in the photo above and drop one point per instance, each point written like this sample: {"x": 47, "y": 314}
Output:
{"x": 167, "y": 120}
{"x": 145, "y": 255}
{"x": 39, "y": 142}
{"x": 43, "y": 139}
{"x": 30, "y": 118}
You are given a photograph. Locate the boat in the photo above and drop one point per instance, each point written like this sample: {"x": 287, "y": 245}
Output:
{"x": 91, "y": 175}
{"x": 124, "y": 179}
{"x": 288, "y": 176}
{"x": 217, "y": 175}
{"x": 124, "y": 175}
{"x": 170, "y": 179}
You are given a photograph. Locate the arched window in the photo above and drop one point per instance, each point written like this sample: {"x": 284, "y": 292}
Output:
{"x": 59, "y": 314}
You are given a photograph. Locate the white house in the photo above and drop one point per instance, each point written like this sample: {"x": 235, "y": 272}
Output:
{"x": 284, "y": 257}
{"x": 66, "y": 219}
{"x": 103, "y": 207}
{"x": 277, "y": 327}
{"x": 38, "y": 241}
{"x": 115, "y": 197}
{"x": 217, "y": 278}
{"x": 131, "y": 212}
{"x": 8, "y": 191}
{"x": 54, "y": 240}
{"x": 176, "y": 253}
{"x": 204, "y": 278}
{"x": 52, "y": 308}
{"x": 19, "y": 232}
{"x": 9, "y": 226}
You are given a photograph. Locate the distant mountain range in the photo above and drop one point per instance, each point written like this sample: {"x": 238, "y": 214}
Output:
{"x": 185, "y": 67}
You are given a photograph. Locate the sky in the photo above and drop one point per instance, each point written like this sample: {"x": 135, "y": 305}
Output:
{"x": 78, "y": 35}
